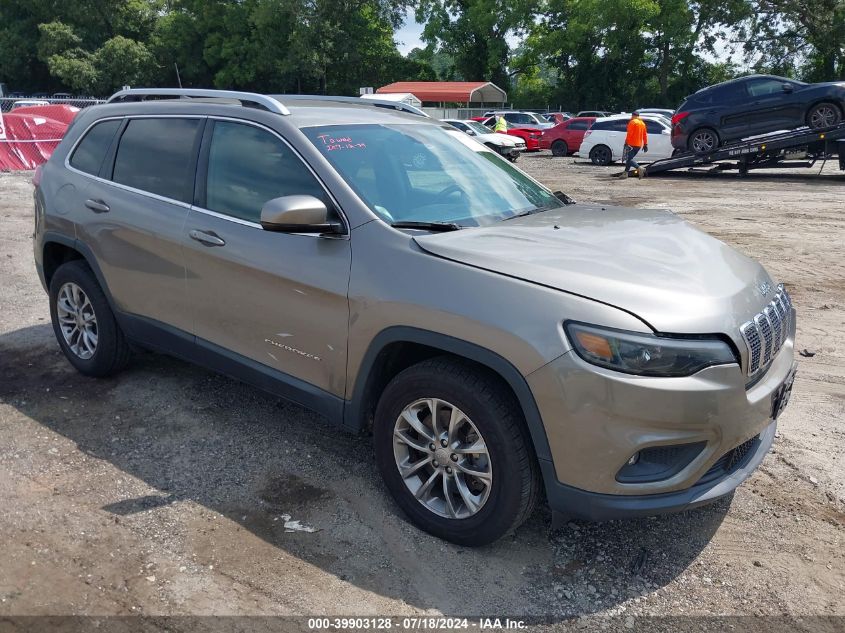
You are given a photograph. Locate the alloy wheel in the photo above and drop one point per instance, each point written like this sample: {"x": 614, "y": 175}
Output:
{"x": 442, "y": 458}
{"x": 77, "y": 320}
{"x": 823, "y": 117}
{"x": 703, "y": 141}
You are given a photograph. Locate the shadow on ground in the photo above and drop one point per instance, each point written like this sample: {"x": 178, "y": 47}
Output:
{"x": 194, "y": 436}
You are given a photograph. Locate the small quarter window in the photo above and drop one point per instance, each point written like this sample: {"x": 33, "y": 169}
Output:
{"x": 89, "y": 154}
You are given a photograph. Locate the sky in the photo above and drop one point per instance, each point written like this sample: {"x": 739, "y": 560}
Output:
{"x": 408, "y": 37}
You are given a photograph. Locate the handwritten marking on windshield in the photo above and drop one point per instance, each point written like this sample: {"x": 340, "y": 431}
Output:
{"x": 331, "y": 144}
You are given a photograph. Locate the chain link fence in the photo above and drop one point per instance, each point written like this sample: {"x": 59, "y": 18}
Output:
{"x": 32, "y": 127}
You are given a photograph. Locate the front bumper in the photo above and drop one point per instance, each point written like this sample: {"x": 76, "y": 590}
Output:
{"x": 569, "y": 502}
{"x": 596, "y": 420}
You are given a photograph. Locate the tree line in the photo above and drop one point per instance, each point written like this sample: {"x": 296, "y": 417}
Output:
{"x": 576, "y": 54}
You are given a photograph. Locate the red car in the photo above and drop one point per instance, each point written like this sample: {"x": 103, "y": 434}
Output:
{"x": 565, "y": 138}
{"x": 531, "y": 136}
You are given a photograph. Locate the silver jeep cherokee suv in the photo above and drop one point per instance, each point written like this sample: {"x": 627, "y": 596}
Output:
{"x": 499, "y": 340}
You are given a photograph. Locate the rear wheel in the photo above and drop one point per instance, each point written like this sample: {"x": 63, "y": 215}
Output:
{"x": 454, "y": 453}
{"x": 703, "y": 140}
{"x": 824, "y": 115}
{"x": 560, "y": 148}
{"x": 601, "y": 155}
{"x": 83, "y": 322}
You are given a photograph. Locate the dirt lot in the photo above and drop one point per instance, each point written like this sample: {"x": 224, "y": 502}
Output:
{"x": 165, "y": 490}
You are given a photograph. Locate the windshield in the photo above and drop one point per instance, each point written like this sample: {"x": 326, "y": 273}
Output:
{"x": 477, "y": 127}
{"x": 425, "y": 173}
{"x": 536, "y": 119}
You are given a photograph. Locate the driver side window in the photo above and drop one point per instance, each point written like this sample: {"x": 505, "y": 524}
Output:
{"x": 764, "y": 87}
{"x": 248, "y": 166}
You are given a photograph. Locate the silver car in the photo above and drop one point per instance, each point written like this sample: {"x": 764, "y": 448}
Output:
{"x": 500, "y": 342}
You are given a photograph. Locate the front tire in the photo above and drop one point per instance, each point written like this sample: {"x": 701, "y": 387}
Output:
{"x": 601, "y": 155}
{"x": 824, "y": 115}
{"x": 560, "y": 148}
{"x": 452, "y": 447}
{"x": 83, "y": 322}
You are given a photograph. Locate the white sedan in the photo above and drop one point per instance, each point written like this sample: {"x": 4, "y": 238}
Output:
{"x": 604, "y": 142}
{"x": 508, "y": 146}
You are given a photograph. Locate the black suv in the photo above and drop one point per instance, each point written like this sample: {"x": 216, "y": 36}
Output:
{"x": 756, "y": 104}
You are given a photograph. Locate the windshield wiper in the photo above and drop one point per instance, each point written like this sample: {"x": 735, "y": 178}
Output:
{"x": 529, "y": 212}
{"x": 427, "y": 226}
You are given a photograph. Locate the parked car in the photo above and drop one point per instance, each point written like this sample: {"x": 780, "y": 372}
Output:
{"x": 508, "y": 146}
{"x": 28, "y": 103}
{"x": 565, "y": 138}
{"x": 661, "y": 111}
{"x": 557, "y": 117}
{"x": 604, "y": 142}
{"x": 530, "y": 135}
{"x": 521, "y": 119}
{"x": 754, "y": 105}
{"x": 596, "y": 114}
{"x": 501, "y": 343}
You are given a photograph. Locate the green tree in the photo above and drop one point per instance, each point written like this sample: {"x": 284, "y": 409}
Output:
{"x": 805, "y": 39}
{"x": 475, "y": 34}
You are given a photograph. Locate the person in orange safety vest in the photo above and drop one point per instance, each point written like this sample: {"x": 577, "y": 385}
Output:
{"x": 636, "y": 139}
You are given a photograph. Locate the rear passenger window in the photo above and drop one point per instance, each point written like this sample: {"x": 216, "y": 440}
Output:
{"x": 156, "y": 155}
{"x": 89, "y": 154}
{"x": 248, "y": 166}
{"x": 579, "y": 125}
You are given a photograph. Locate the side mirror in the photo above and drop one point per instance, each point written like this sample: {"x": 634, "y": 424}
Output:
{"x": 470, "y": 132}
{"x": 297, "y": 214}
{"x": 788, "y": 87}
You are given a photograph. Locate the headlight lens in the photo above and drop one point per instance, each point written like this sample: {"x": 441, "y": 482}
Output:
{"x": 646, "y": 354}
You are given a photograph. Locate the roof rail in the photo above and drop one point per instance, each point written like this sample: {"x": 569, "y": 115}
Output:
{"x": 377, "y": 103}
{"x": 138, "y": 94}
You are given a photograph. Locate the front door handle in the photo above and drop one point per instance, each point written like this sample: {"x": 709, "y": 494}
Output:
{"x": 209, "y": 238}
{"x": 97, "y": 206}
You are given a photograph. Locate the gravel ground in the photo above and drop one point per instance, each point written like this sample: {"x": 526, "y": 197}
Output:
{"x": 167, "y": 490}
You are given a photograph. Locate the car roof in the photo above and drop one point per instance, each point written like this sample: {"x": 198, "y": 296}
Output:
{"x": 651, "y": 116}
{"x": 742, "y": 79}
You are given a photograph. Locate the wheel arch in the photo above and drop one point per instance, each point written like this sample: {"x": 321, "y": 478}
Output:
{"x": 831, "y": 100}
{"x": 58, "y": 249}
{"x": 396, "y": 348}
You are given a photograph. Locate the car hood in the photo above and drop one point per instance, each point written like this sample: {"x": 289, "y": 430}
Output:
{"x": 497, "y": 139}
{"x": 649, "y": 262}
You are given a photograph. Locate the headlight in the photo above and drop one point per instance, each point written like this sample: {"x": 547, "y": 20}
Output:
{"x": 646, "y": 354}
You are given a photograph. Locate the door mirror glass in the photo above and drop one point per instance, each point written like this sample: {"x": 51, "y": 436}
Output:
{"x": 297, "y": 214}
{"x": 787, "y": 87}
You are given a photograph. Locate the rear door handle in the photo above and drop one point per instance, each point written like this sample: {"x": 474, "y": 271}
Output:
{"x": 97, "y": 206}
{"x": 209, "y": 238}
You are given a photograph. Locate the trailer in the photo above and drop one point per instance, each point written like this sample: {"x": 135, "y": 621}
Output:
{"x": 786, "y": 150}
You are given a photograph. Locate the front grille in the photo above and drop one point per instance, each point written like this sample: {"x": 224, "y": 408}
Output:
{"x": 730, "y": 461}
{"x": 766, "y": 333}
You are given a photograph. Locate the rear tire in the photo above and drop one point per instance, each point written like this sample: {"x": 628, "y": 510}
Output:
{"x": 456, "y": 506}
{"x": 703, "y": 141}
{"x": 84, "y": 323}
{"x": 560, "y": 148}
{"x": 824, "y": 115}
{"x": 601, "y": 155}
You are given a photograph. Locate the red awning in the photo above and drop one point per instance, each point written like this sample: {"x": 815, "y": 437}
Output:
{"x": 449, "y": 91}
